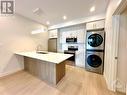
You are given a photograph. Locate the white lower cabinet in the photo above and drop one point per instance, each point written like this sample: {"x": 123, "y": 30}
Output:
{"x": 80, "y": 58}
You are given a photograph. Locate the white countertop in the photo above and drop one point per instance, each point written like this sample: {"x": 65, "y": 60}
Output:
{"x": 50, "y": 57}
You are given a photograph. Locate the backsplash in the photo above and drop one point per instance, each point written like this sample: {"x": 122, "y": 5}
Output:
{"x": 77, "y": 31}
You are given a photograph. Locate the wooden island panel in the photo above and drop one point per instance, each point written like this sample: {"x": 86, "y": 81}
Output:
{"x": 49, "y": 72}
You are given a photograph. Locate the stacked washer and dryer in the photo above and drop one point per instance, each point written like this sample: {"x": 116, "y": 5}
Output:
{"x": 95, "y": 51}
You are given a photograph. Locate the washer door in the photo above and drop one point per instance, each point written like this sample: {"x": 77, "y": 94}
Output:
{"x": 95, "y": 40}
{"x": 94, "y": 61}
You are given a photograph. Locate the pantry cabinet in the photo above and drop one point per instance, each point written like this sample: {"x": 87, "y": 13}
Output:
{"x": 80, "y": 56}
{"x": 95, "y": 25}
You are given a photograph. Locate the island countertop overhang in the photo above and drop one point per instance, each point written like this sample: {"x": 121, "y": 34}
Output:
{"x": 55, "y": 58}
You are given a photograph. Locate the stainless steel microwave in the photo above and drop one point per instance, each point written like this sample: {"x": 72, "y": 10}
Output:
{"x": 71, "y": 40}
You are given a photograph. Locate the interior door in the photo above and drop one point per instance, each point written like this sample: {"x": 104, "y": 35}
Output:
{"x": 122, "y": 51}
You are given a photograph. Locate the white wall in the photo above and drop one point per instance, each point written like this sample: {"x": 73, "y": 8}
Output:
{"x": 15, "y": 35}
{"x": 109, "y": 49}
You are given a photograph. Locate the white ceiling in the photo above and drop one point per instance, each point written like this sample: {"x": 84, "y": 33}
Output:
{"x": 53, "y": 10}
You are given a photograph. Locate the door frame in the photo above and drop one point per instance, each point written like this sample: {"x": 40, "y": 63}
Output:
{"x": 116, "y": 30}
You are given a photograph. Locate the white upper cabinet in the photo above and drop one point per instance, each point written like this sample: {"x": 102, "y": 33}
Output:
{"x": 95, "y": 25}
{"x": 79, "y": 34}
{"x": 53, "y": 33}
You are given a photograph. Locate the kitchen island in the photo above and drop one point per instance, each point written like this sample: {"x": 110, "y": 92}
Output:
{"x": 47, "y": 66}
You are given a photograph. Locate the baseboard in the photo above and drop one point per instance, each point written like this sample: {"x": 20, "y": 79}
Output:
{"x": 122, "y": 90}
{"x": 121, "y": 86}
{"x": 116, "y": 85}
{"x": 81, "y": 65}
{"x": 106, "y": 80}
{"x": 110, "y": 87}
{"x": 10, "y": 72}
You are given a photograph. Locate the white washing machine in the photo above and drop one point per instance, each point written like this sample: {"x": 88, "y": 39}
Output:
{"x": 95, "y": 40}
{"x": 94, "y": 61}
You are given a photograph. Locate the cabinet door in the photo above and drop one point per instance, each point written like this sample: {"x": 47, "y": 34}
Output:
{"x": 80, "y": 56}
{"x": 63, "y": 37}
{"x": 90, "y": 26}
{"x": 53, "y": 33}
{"x": 95, "y": 25}
{"x": 99, "y": 24}
{"x": 81, "y": 36}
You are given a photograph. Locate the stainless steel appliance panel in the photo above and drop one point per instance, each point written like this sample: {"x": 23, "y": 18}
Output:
{"x": 94, "y": 61}
{"x": 52, "y": 45}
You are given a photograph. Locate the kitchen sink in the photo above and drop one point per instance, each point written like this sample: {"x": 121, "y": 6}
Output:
{"x": 42, "y": 52}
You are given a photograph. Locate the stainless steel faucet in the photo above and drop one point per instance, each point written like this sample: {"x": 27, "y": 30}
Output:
{"x": 39, "y": 48}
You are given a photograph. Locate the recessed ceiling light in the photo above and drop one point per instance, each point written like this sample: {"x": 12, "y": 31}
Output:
{"x": 64, "y": 17}
{"x": 92, "y": 9}
{"x": 48, "y": 23}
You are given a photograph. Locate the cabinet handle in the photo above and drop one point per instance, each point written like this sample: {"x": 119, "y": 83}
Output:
{"x": 116, "y": 58}
{"x": 95, "y": 26}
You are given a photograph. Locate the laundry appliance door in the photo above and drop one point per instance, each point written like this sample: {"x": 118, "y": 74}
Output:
{"x": 95, "y": 40}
